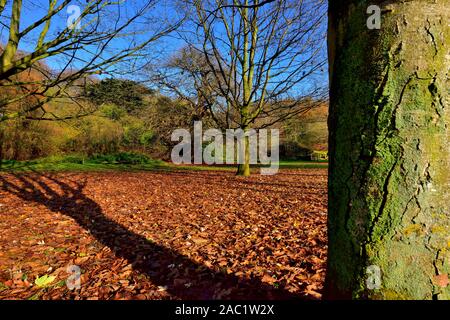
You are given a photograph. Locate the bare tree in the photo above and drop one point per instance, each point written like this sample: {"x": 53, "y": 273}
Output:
{"x": 98, "y": 37}
{"x": 186, "y": 75}
{"x": 259, "y": 60}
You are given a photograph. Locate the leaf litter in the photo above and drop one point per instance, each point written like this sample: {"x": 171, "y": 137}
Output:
{"x": 163, "y": 235}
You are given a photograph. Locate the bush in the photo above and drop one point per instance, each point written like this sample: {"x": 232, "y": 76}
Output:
{"x": 22, "y": 139}
{"x": 77, "y": 159}
{"x": 96, "y": 135}
{"x": 113, "y": 112}
{"x": 291, "y": 150}
{"x": 73, "y": 159}
{"x": 147, "y": 138}
{"x": 121, "y": 158}
{"x": 133, "y": 130}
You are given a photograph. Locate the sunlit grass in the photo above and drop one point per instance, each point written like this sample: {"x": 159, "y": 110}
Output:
{"x": 112, "y": 162}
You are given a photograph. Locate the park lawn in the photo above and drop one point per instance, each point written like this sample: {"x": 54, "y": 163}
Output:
{"x": 163, "y": 234}
{"x": 61, "y": 164}
{"x": 76, "y": 163}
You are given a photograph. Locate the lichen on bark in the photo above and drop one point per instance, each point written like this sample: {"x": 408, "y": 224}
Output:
{"x": 389, "y": 144}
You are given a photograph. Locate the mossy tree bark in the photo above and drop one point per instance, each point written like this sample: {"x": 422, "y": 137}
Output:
{"x": 389, "y": 203}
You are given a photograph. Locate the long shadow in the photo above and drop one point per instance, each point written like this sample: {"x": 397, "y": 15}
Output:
{"x": 146, "y": 257}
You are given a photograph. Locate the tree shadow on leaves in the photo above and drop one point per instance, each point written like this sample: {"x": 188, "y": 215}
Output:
{"x": 146, "y": 257}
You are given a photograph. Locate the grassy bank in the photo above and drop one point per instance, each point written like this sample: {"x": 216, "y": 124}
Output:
{"x": 126, "y": 162}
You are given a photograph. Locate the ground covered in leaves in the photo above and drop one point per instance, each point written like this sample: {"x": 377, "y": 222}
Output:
{"x": 163, "y": 235}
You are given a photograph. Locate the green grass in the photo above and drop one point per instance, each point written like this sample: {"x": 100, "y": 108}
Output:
{"x": 288, "y": 164}
{"x": 128, "y": 162}
{"x": 120, "y": 162}
{"x": 297, "y": 164}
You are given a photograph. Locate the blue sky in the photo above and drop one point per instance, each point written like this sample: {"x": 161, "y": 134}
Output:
{"x": 160, "y": 14}
{"x": 33, "y": 10}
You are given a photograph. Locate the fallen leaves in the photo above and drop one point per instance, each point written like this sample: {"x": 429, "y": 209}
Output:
{"x": 44, "y": 281}
{"x": 442, "y": 280}
{"x": 171, "y": 235}
{"x": 268, "y": 279}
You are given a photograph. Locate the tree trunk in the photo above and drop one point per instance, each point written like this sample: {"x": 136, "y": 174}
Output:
{"x": 244, "y": 168}
{"x": 389, "y": 177}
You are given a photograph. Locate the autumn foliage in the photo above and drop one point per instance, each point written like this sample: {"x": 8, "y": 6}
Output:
{"x": 164, "y": 235}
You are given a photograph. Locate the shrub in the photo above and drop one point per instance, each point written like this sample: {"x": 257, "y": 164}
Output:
{"x": 113, "y": 112}
{"x": 120, "y": 158}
